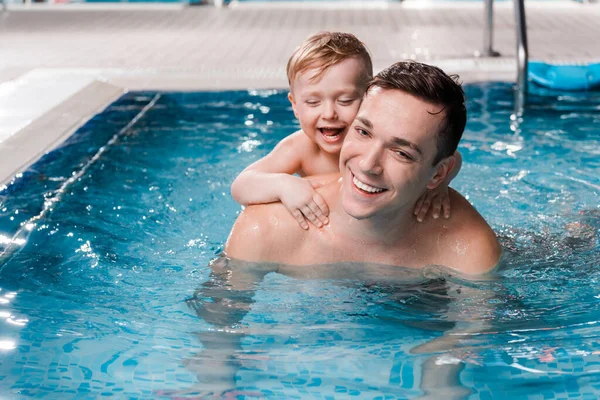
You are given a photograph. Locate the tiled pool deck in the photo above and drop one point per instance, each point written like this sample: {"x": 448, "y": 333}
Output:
{"x": 50, "y": 53}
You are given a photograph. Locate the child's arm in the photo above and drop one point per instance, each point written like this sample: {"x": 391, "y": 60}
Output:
{"x": 438, "y": 199}
{"x": 269, "y": 180}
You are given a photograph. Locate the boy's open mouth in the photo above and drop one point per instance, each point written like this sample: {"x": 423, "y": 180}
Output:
{"x": 331, "y": 134}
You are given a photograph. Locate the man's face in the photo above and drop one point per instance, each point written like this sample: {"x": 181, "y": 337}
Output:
{"x": 327, "y": 105}
{"x": 386, "y": 160}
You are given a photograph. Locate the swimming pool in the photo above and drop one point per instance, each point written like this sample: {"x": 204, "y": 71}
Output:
{"x": 107, "y": 242}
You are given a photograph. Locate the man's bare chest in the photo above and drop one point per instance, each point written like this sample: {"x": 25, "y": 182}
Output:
{"x": 321, "y": 247}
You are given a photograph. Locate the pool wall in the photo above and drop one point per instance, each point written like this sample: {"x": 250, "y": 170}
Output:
{"x": 50, "y": 121}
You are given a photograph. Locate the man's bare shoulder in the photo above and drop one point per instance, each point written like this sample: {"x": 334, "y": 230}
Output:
{"x": 263, "y": 232}
{"x": 469, "y": 244}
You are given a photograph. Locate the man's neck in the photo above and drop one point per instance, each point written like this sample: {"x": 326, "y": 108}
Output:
{"x": 383, "y": 230}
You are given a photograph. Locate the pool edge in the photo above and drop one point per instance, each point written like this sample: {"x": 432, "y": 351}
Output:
{"x": 42, "y": 135}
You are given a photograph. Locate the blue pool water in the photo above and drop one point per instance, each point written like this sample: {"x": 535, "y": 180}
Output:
{"x": 106, "y": 243}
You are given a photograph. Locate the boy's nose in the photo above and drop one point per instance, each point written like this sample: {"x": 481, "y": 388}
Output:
{"x": 329, "y": 112}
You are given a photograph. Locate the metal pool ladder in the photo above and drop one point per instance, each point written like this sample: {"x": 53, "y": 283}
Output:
{"x": 522, "y": 57}
{"x": 522, "y": 51}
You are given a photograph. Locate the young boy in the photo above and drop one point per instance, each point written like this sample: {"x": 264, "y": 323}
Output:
{"x": 328, "y": 75}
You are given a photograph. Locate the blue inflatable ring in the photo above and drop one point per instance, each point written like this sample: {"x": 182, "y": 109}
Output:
{"x": 565, "y": 77}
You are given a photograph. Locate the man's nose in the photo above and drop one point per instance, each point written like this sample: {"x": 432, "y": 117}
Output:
{"x": 330, "y": 111}
{"x": 371, "y": 161}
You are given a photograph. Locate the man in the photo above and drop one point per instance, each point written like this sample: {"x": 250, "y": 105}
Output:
{"x": 401, "y": 144}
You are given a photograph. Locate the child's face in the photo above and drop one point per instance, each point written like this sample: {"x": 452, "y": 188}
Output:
{"x": 326, "y": 107}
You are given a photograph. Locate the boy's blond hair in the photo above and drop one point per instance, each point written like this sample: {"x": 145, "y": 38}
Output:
{"x": 326, "y": 49}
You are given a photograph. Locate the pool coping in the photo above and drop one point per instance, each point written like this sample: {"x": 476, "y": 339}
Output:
{"x": 46, "y": 132}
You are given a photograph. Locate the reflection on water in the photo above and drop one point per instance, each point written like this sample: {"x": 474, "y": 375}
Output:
{"x": 110, "y": 293}
{"x": 9, "y": 322}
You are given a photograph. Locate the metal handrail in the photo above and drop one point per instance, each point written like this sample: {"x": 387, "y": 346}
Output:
{"x": 488, "y": 35}
{"x": 522, "y": 50}
{"x": 522, "y": 57}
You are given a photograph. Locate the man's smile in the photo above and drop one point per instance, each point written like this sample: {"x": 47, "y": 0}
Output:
{"x": 365, "y": 188}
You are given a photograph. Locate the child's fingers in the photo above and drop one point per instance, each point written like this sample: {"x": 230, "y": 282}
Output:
{"x": 446, "y": 206}
{"x": 318, "y": 199}
{"x": 419, "y": 204}
{"x": 300, "y": 218}
{"x": 315, "y": 185}
{"x": 317, "y": 212}
{"x": 311, "y": 216}
{"x": 436, "y": 207}
{"x": 423, "y": 210}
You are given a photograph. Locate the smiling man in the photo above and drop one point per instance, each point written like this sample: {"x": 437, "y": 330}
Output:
{"x": 401, "y": 144}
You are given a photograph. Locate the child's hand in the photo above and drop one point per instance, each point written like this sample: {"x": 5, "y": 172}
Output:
{"x": 304, "y": 203}
{"x": 438, "y": 199}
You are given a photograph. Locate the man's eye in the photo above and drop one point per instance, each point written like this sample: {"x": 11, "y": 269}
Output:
{"x": 361, "y": 132}
{"x": 404, "y": 155}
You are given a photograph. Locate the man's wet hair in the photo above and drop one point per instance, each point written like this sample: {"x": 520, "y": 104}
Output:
{"x": 323, "y": 50}
{"x": 434, "y": 86}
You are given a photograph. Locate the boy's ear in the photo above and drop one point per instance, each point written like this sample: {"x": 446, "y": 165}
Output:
{"x": 442, "y": 171}
{"x": 293, "y": 102}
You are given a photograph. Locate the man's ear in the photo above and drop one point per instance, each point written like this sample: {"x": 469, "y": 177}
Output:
{"x": 293, "y": 102}
{"x": 442, "y": 171}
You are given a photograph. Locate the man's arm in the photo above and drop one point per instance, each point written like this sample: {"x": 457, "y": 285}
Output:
{"x": 252, "y": 235}
{"x": 227, "y": 295}
{"x": 270, "y": 180}
{"x": 470, "y": 245}
{"x": 440, "y": 374}
{"x": 263, "y": 232}
{"x": 223, "y": 301}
